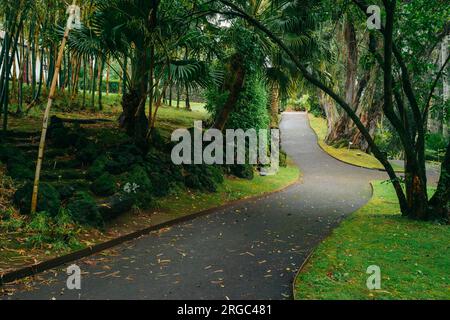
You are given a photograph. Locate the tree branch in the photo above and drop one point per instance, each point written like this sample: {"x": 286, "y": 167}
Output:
{"x": 319, "y": 84}
{"x": 433, "y": 87}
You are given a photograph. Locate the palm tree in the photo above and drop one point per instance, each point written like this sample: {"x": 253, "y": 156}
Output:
{"x": 147, "y": 36}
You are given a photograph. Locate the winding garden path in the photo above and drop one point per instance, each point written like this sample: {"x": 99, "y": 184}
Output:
{"x": 248, "y": 251}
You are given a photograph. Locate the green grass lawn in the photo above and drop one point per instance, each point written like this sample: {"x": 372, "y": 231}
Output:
{"x": 414, "y": 257}
{"x": 355, "y": 157}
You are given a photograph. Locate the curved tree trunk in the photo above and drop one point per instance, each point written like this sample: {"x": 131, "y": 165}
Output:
{"x": 234, "y": 85}
{"x": 341, "y": 129}
{"x": 133, "y": 118}
{"x": 274, "y": 106}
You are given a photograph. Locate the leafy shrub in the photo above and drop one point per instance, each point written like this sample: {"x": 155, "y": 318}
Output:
{"x": 283, "y": 159}
{"x": 250, "y": 111}
{"x": 436, "y": 141}
{"x": 388, "y": 141}
{"x": 48, "y": 199}
{"x": 88, "y": 153}
{"x": 164, "y": 184}
{"x": 83, "y": 209}
{"x": 314, "y": 107}
{"x": 244, "y": 171}
{"x": 104, "y": 186}
{"x": 162, "y": 172}
{"x": 298, "y": 104}
{"x": 436, "y": 145}
{"x": 203, "y": 177}
{"x": 58, "y": 232}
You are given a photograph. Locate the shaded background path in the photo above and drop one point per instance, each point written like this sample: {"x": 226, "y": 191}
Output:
{"x": 249, "y": 251}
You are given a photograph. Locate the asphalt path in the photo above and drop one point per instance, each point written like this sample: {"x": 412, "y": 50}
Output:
{"x": 251, "y": 250}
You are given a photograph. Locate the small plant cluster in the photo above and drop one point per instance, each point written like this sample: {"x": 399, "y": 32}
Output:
{"x": 306, "y": 102}
{"x": 7, "y": 190}
{"x": 43, "y": 231}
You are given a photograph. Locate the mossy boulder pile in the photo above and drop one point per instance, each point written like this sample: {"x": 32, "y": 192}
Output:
{"x": 104, "y": 186}
{"x": 84, "y": 210}
{"x": 18, "y": 166}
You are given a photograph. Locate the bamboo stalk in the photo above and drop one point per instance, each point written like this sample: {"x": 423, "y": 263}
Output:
{"x": 51, "y": 97}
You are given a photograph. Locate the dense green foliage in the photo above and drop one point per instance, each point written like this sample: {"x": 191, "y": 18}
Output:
{"x": 48, "y": 200}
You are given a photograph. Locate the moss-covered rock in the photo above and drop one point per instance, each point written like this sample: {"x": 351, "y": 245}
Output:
{"x": 19, "y": 171}
{"x": 104, "y": 186}
{"x": 98, "y": 168}
{"x": 65, "y": 190}
{"x": 162, "y": 172}
{"x": 193, "y": 182}
{"x": 61, "y": 138}
{"x": 116, "y": 205}
{"x": 55, "y": 123}
{"x": 13, "y": 155}
{"x": 137, "y": 184}
{"x": 88, "y": 153}
{"x": 48, "y": 199}
{"x": 123, "y": 158}
{"x": 162, "y": 184}
{"x": 244, "y": 171}
{"x": 158, "y": 141}
{"x": 84, "y": 210}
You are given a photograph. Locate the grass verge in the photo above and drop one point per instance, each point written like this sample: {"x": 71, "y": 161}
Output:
{"x": 231, "y": 190}
{"x": 413, "y": 256}
{"x": 354, "y": 157}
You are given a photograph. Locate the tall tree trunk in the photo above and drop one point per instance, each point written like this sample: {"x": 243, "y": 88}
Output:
{"x": 416, "y": 191}
{"x": 446, "y": 86}
{"x": 152, "y": 86}
{"x": 188, "y": 99}
{"x": 107, "y": 78}
{"x": 369, "y": 109}
{"x": 341, "y": 129}
{"x": 440, "y": 202}
{"x": 94, "y": 82}
{"x": 84, "y": 82}
{"x": 274, "y": 106}
{"x": 100, "y": 83}
{"x": 124, "y": 75}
